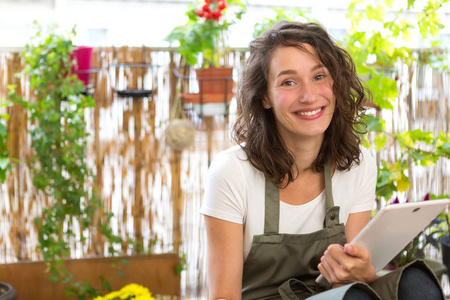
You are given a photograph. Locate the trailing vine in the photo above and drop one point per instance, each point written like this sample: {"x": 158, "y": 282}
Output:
{"x": 59, "y": 167}
{"x": 5, "y": 164}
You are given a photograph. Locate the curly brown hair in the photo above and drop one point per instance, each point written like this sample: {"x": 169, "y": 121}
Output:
{"x": 255, "y": 128}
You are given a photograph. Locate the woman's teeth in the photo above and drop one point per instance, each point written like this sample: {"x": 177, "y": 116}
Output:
{"x": 309, "y": 113}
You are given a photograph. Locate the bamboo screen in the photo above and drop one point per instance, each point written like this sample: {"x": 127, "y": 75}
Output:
{"x": 155, "y": 193}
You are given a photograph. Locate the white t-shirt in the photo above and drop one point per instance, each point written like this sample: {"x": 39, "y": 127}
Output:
{"x": 234, "y": 192}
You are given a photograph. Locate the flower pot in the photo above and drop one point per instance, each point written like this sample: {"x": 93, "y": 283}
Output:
{"x": 7, "y": 292}
{"x": 215, "y": 80}
{"x": 83, "y": 60}
{"x": 445, "y": 248}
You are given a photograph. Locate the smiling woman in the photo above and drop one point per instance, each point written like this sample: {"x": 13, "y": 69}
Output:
{"x": 280, "y": 207}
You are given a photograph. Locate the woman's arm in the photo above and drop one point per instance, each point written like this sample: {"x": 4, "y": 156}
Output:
{"x": 225, "y": 258}
{"x": 355, "y": 223}
{"x": 346, "y": 264}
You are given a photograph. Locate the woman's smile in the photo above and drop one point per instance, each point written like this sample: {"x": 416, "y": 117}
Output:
{"x": 310, "y": 114}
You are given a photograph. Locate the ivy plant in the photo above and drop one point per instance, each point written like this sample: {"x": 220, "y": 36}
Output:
{"x": 59, "y": 167}
{"x": 5, "y": 163}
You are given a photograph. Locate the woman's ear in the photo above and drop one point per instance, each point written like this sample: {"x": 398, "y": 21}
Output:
{"x": 266, "y": 103}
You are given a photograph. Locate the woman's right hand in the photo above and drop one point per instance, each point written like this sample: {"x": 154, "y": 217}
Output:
{"x": 225, "y": 259}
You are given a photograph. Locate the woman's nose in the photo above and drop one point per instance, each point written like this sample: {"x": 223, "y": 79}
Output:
{"x": 307, "y": 93}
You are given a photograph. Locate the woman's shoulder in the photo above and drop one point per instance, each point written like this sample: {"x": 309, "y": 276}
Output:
{"x": 366, "y": 158}
{"x": 234, "y": 155}
{"x": 366, "y": 167}
{"x": 232, "y": 161}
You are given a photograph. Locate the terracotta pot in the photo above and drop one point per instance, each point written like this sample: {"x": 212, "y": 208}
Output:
{"x": 207, "y": 98}
{"x": 215, "y": 80}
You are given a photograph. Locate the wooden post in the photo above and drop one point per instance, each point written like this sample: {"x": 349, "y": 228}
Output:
{"x": 138, "y": 207}
{"x": 177, "y": 199}
{"x": 17, "y": 129}
{"x": 209, "y": 130}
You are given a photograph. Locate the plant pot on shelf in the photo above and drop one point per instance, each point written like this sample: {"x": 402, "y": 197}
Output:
{"x": 208, "y": 104}
{"x": 215, "y": 80}
{"x": 215, "y": 86}
{"x": 82, "y": 67}
{"x": 82, "y": 55}
{"x": 7, "y": 292}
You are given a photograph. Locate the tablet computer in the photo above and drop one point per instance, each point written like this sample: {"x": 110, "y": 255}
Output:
{"x": 393, "y": 227}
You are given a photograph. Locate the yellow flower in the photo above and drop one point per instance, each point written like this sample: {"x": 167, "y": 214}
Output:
{"x": 131, "y": 291}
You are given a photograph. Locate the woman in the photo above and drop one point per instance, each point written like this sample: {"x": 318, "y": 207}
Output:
{"x": 281, "y": 205}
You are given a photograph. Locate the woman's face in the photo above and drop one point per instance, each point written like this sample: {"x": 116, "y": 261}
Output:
{"x": 300, "y": 93}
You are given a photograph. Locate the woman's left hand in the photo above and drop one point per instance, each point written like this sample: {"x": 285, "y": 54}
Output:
{"x": 346, "y": 264}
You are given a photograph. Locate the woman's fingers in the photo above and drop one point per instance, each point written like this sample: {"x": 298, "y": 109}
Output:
{"x": 346, "y": 264}
{"x": 331, "y": 267}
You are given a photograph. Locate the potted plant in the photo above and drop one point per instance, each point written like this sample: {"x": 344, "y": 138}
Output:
{"x": 203, "y": 43}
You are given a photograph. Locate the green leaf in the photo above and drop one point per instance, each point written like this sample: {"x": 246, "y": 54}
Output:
{"x": 403, "y": 183}
{"x": 411, "y": 4}
{"x": 4, "y": 163}
{"x": 380, "y": 141}
{"x": 374, "y": 123}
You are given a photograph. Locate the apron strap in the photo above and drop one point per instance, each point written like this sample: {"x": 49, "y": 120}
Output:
{"x": 328, "y": 188}
{"x": 272, "y": 209}
{"x": 286, "y": 292}
{"x": 332, "y": 212}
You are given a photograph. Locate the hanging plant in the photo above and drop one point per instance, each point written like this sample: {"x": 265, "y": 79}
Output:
{"x": 59, "y": 167}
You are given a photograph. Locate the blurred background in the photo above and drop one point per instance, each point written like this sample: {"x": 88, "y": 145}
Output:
{"x": 147, "y": 22}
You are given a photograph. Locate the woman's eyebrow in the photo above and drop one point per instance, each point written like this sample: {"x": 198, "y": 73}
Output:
{"x": 319, "y": 66}
{"x": 290, "y": 72}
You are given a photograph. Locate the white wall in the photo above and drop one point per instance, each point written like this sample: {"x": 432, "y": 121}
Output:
{"x": 147, "y": 22}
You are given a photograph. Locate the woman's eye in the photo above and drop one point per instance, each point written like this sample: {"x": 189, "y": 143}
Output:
{"x": 318, "y": 77}
{"x": 287, "y": 83}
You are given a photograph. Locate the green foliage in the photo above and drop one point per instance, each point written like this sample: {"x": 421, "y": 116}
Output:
{"x": 5, "y": 164}
{"x": 204, "y": 38}
{"x": 384, "y": 43}
{"x": 375, "y": 52}
{"x": 181, "y": 265}
{"x": 417, "y": 147}
{"x": 59, "y": 141}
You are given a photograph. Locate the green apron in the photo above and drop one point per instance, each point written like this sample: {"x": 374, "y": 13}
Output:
{"x": 284, "y": 266}
{"x": 289, "y": 260}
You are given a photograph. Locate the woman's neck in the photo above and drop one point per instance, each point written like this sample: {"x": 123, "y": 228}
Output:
{"x": 305, "y": 152}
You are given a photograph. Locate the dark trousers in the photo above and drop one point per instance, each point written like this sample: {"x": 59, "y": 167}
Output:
{"x": 415, "y": 284}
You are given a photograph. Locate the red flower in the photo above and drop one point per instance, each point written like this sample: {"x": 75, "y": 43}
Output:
{"x": 212, "y": 9}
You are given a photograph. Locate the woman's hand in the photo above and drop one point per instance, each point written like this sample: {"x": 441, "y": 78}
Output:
{"x": 346, "y": 264}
